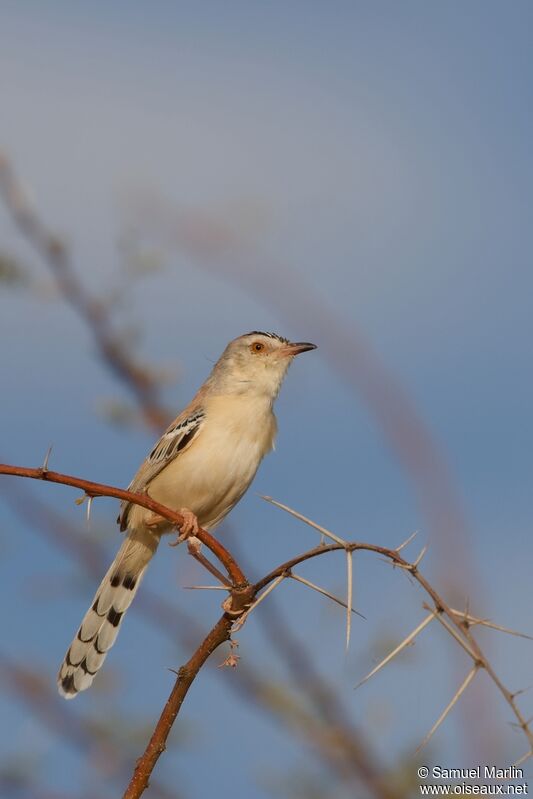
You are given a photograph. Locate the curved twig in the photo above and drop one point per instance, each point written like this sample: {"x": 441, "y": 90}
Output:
{"x": 93, "y": 489}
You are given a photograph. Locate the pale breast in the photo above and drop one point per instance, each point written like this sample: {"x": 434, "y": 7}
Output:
{"x": 211, "y": 476}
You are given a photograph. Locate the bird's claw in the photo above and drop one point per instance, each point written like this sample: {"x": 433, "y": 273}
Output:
{"x": 188, "y": 529}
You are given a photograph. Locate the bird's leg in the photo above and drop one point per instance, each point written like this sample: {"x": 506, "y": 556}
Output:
{"x": 153, "y": 520}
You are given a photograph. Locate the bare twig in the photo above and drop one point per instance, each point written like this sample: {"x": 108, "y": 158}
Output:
{"x": 93, "y": 489}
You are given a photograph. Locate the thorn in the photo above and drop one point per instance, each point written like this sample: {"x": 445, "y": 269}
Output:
{"x": 457, "y": 637}
{"x": 89, "y": 506}
{"x": 323, "y": 591}
{"x": 349, "y": 597}
{"x": 521, "y": 691}
{"x": 487, "y": 623}
{"x": 303, "y": 518}
{"x": 401, "y": 646}
{"x": 464, "y": 685}
{"x": 419, "y": 558}
{"x": 407, "y": 541}
{"x": 206, "y": 588}
{"x": 44, "y": 467}
{"x": 241, "y": 620}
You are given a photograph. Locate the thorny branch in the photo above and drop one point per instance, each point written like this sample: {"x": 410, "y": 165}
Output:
{"x": 93, "y": 489}
{"x": 243, "y": 595}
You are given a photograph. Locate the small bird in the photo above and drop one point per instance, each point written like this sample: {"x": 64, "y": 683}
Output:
{"x": 201, "y": 466}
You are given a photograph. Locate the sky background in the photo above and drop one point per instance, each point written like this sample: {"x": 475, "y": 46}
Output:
{"x": 370, "y": 159}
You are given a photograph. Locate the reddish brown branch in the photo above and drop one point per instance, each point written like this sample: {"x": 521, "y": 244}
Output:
{"x": 93, "y": 489}
{"x": 220, "y": 633}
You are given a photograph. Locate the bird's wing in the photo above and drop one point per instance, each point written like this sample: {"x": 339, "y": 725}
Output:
{"x": 176, "y": 438}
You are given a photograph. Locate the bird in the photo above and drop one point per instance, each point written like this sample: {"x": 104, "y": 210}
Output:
{"x": 201, "y": 466}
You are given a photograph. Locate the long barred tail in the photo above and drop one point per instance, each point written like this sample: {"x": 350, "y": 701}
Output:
{"x": 101, "y": 623}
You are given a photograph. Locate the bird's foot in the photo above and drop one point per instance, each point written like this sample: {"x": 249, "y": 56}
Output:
{"x": 188, "y": 529}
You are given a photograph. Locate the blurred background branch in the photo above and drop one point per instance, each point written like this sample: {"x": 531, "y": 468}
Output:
{"x": 110, "y": 345}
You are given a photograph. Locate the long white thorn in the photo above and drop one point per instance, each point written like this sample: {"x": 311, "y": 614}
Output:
{"x": 206, "y": 588}
{"x": 407, "y": 541}
{"x": 323, "y": 591}
{"x": 460, "y": 640}
{"x": 349, "y": 596}
{"x": 462, "y": 688}
{"x": 419, "y": 558}
{"x": 303, "y": 518}
{"x": 89, "y": 508}
{"x": 406, "y": 641}
{"x": 487, "y": 623}
{"x": 44, "y": 467}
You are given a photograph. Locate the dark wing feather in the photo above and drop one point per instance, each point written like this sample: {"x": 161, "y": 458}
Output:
{"x": 174, "y": 440}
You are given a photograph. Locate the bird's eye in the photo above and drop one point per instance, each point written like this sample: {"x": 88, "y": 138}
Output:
{"x": 257, "y": 346}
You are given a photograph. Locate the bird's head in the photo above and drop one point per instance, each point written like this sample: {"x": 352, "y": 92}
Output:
{"x": 257, "y": 363}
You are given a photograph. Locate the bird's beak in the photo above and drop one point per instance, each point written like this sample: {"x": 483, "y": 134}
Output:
{"x": 298, "y": 347}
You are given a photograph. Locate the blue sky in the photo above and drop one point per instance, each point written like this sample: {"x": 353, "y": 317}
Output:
{"x": 379, "y": 153}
